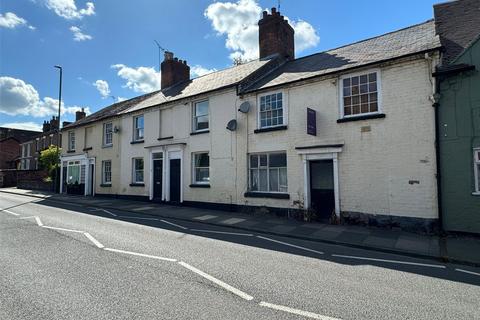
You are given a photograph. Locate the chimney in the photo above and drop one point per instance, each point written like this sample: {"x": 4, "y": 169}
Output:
{"x": 65, "y": 123}
{"x": 79, "y": 115}
{"x": 275, "y": 36}
{"x": 46, "y": 126}
{"x": 173, "y": 70}
{"x": 53, "y": 124}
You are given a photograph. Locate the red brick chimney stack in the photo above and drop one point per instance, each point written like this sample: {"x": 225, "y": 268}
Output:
{"x": 275, "y": 36}
{"x": 173, "y": 70}
{"x": 79, "y": 115}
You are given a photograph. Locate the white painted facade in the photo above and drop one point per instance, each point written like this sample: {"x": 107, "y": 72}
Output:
{"x": 381, "y": 166}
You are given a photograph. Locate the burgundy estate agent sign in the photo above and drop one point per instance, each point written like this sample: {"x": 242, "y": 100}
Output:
{"x": 311, "y": 122}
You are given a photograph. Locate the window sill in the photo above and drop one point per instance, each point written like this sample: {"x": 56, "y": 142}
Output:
{"x": 165, "y": 138}
{"x": 272, "y": 195}
{"x": 105, "y": 146}
{"x": 87, "y": 149}
{"x": 365, "y": 117}
{"x": 137, "y": 141}
{"x": 199, "y": 132}
{"x": 199, "y": 185}
{"x": 70, "y": 151}
{"x": 105, "y": 185}
{"x": 476, "y": 194}
{"x": 277, "y": 128}
{"x": 137, "y": 184}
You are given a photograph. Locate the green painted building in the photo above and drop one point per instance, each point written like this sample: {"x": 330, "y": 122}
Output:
{"x": 458, "y": 129}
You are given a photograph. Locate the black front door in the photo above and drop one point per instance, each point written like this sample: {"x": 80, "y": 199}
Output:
{"x": 157, "y": 179}
{"x": 175, "y": 180}
{"x": 92, "y": 175}
{"x": 322, "y": 193}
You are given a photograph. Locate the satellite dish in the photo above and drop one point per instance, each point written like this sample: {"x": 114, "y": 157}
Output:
{"x": 244, "y": 107}
{"x": 232, "y": 125}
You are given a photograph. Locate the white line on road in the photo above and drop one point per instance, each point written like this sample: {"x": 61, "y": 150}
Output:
{"x": 174, "y": 224}
{"x": 95, "y": 241}
{"x": 290, "y": 245}
{"x": 8, "y": 211}
{"x": 222, "y": 284}
{"x": 391, "y": 261}
{"x": 63, "y": 229}
{"x": 224, "y": 232}
{"x": 141, "y": 254}
{"x": 29, "y": 217}
{"x": 110, "y": 213}
{"x": 466, "y": 271}
{"x": 39, "y": 222}
{"x": 139, "y": 218}
{"x": 296, "y": 311}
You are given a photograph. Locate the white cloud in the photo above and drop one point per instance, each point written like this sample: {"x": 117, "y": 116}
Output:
{"x": 198, "y": 70}
{"x": 23, "y": 126}
{"x": 20, "y": 98}
{"x": 78, "y": 35}
{"x": 141, "y": 79}
{"x": 10, "y": 20}
{"x": 120, "y": 99}
{"x": 102, "y": 87}
{"x": 68, "y": 10}
{"x": 239, "y": 22}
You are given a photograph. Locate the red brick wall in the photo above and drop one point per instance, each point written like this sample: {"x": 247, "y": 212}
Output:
{"x": 9, "y": 151}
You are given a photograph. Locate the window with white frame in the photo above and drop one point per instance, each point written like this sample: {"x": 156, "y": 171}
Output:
{"x": 201, "y": 168}
{"x": 73, "y": 172}
{"x": 107, "y": 172}
{"x": 271, "y": 111}
{"x": 268, "y": 172}
{"x": 71, "y": 140}
{"x": 138, "y": 128}
{"x": 476, "y": 163}
{"x": 360, "y": 94}
{"x": 107, "y": 134}
{"x": 137, "y": 170}
{"x": 200, "y": 116}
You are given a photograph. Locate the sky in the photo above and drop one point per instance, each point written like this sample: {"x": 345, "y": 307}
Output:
{"x": 108, "y": 53}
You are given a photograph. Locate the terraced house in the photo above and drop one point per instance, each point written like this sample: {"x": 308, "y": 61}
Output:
{"x": 348, "y": 133}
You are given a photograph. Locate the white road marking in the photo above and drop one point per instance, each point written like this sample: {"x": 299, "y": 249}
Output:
{"x": 224, "y": 232}
{"x": 466, "y": 271}
{"x": 232, "y": 221}
{"x": 29, "y": 217}
{"x": 141, "y": 254}
{"x": 110, "y": 213}
{"x": 11, "y": 212}
{"x": 391, "y": 261}
{"x": 222, "y": 284}
{"x": 290, "y": 245}
{"x": 296, "y": 311}
{"x": 205, "y": 217}
{"x": 138, "y": 218}
{"x": 39, "y": 222}
{"x": 174, "y": 224}
{"x": 95, "y": 241}
{"x": 63, "y": 229}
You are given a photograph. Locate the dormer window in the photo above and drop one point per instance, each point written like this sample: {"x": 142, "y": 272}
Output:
{"x": 360, "y": 94}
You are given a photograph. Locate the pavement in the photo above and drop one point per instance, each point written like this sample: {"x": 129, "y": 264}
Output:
{"x": 71, "y": 260}
{"x": 452, "y": 248}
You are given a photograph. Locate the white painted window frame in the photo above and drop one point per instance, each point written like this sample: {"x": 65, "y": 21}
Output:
{"x": 194, "y": 115}
{"x": 379, "y": 93}
{"x": 134, "y": 170}
{"x": 284, "y": 108}
{"x": 136, "y": 130}
{"x": 104, "y": 180}
{"x": 71, "y": 140}
{"x": 194, "y": 167}
{"x": 268, "y": 171}
{"x": 476, "y": 170}
{"x": 106, "y": 133}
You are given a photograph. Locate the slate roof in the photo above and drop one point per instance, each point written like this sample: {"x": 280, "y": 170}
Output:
{"x": 414, "y": 39}
{"x": 209, "y": 82}
{"x": 458, "y": 25}
{"x": 18, "y": 134}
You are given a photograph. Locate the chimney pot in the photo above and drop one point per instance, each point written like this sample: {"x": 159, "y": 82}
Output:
{"x": 274, "y": 10}
{"x": 168, "y": 55}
